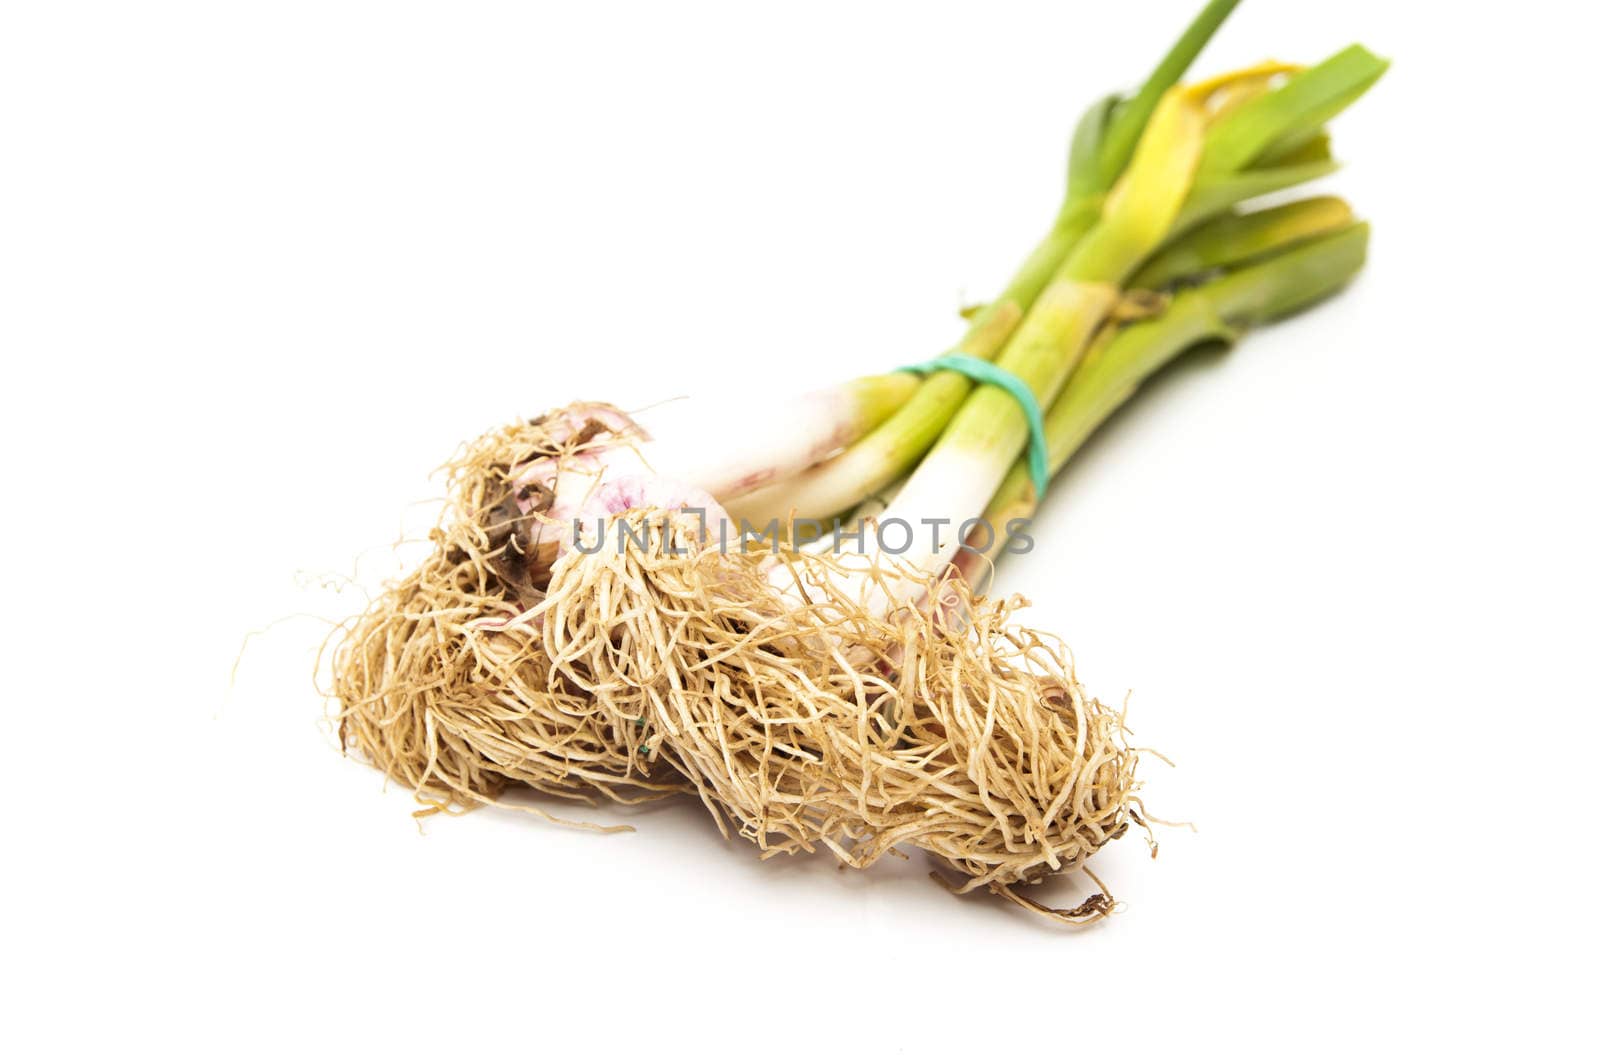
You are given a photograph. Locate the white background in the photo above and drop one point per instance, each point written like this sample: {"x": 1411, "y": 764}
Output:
{"x": 262, "y": 266}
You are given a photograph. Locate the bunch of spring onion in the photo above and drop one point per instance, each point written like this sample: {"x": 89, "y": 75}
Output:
{"x": 842, "y": 695}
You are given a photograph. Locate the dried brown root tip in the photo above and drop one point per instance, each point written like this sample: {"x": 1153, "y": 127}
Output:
{"x": 1093, "y": 909}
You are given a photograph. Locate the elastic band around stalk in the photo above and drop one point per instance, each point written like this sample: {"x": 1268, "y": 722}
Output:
{"x": 988, "y": 373}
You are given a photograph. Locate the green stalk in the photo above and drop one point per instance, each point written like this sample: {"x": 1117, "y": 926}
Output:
{"x": 1277, "y": 140}
{"x": 897, "y": 444}
{"x": 1179, "y": 153}
{"x": 1052, "y": 337}
{"x": 1217, "y": 311}
{"x": 1229, "y": 239}
{"x": 1318, "y": 148}
{"x": 1102, "y": 144}
{"x": 869, "y": 401}
{"x": 1292, "y": 114}
{"x": 1214, "y": 194}
{"x": 1128, "y": 122}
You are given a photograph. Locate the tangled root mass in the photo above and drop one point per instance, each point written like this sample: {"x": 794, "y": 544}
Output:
{"x": 673, "y": 666}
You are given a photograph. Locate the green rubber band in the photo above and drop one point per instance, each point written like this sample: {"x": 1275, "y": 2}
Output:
{"x": 989, "y": 373}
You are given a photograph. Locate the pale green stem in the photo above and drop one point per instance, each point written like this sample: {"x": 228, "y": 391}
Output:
{"x": 1141, "y": 214}
{"x": 1128, "y": 120}
{"x": 1229, "y": 239}
{"x": 687, "y": 440}
{"x": 1293, "y": 113}
{"x": 1217, "y": 311}
{"x": 874, "y": 462}
{"x": 1102, "y": 145}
